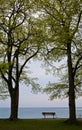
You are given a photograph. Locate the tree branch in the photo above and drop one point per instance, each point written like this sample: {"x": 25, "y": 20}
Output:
{"x": 49, "y": 51}
{"x": 21, "y": 69}
{"x": 76, "y": 66}
{"x": 79, "y": 18}
{"x": 3, "y": 76}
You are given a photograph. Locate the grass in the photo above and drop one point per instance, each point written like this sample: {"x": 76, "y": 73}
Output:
{"x": 37, "y": 124}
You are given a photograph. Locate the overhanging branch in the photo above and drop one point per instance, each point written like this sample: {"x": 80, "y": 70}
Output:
{"x": 77, "y": 66}
{"x": 21, "y": 69}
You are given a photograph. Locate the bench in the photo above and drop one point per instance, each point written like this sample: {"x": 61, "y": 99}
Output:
{"x": 48, "y": 114}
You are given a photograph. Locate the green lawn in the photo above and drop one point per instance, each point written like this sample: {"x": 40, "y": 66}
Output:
{"x": 37, "y": 124}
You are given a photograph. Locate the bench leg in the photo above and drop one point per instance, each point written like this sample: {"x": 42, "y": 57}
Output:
{"x": 44, "y": 116}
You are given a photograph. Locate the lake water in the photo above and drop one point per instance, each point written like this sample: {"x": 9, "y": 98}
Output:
{"x": 31, "y": 112}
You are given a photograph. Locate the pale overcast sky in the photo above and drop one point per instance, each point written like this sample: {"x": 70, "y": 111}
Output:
{"x": 28, "y": 99}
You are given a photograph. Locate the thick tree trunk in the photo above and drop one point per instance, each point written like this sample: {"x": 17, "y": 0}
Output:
{"x": 72, "y": 107}
{"x": 14, "y": 93}
{"x": 14, "y": 104}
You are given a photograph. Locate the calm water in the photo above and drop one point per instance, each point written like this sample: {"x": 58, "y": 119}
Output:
{"x": 37, "y": 112}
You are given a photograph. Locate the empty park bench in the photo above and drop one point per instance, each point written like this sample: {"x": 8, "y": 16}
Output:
{"x": 48, "y": 114}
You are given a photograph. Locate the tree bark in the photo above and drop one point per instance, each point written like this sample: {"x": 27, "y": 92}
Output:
{"x": 72, "y": 107}
{"x": 14, "y": 104}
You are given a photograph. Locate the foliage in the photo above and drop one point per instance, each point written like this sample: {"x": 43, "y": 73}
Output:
{"x": 19, "y": 37}
{"x": 56, "y": 90}
{"x": 3, "y": 90}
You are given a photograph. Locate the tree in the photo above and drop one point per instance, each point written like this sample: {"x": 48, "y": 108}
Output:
{"x": 19, "y": 43}
{"x": 62, "y": 21}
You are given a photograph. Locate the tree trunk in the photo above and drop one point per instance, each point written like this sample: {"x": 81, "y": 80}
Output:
{"x": 14, "y": 104}
{"x": 72, "y": 107}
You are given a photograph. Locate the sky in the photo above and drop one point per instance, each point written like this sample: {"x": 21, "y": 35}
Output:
{"x": 28, "y": 99}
